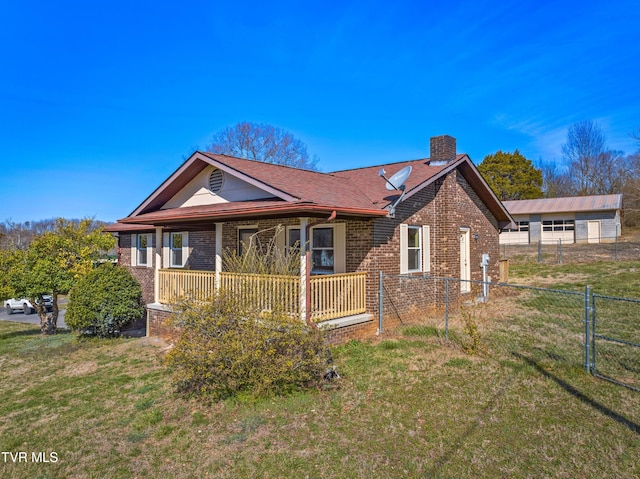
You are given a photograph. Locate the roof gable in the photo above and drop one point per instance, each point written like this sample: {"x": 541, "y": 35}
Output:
{"x": 198, "y": 193}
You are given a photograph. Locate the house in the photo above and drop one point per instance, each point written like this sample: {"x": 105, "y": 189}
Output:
{"x": 355, "y": 228}
{"x": 579, "y": 219}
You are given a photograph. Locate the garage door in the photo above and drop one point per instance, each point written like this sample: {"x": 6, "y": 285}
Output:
{"x": 555, "y": 228}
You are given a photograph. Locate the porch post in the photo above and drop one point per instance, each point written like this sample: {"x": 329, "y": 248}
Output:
{"x": 157, "y": 264}
{"x": 303, "y": 268}
{"x": 218, "y": 265}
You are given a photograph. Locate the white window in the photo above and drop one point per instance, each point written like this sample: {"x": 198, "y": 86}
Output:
{"x": 520, "y": 226}
{"x": 176, "y": 249}
{"x": 414, "y": 249}
{"x": 328, "y": 249}
{"x": 558, "y": 225}
{"x": 322, "y": 253}
{"x": 141, "y": 252}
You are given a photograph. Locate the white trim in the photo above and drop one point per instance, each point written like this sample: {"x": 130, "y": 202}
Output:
{"x": 157, "y": 263}
{"x": 218, "y": 265}
{"x": 167, "y": 253}
{"x": 339, "y": 248}
{"x": 339, "y": 245}
{"x": 184, "y": 249}
{"x": 426, "y": 248}
{"x": 165, "y": 250}
{"x": 465, "y": 260}
{"x": 135, "y": 258}
{"x": 404, "y": 243}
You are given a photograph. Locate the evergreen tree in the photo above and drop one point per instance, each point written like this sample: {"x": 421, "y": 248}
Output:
{"x": 511, "y": 176}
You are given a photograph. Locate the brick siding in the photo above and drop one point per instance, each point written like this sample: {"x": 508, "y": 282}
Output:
{"x": 143, "y": 274}
{"x": 372, "y": 245}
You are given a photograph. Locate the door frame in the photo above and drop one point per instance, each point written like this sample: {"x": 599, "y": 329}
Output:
{"x": 465, "y": 260}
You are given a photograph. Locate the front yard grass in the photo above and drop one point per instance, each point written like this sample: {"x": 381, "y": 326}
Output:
{"x": 413, "y": 406}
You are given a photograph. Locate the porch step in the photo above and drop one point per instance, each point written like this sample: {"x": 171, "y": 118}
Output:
{"x": 345, "y": 321}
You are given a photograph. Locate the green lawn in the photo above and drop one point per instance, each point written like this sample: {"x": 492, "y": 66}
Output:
{"x": 412, "y": 406}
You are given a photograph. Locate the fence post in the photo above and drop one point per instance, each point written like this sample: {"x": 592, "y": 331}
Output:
{"x": 559, "y": 251}
{"x": 539, "y": 251}
{"x": 446, "y": 308}
{"x": 380, "y": 305}
{"x": 594, "y": 315}
{"x": 587, "y": 334}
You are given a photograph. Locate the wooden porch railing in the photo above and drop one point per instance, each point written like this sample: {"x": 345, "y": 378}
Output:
{"x": 175, "y": 283}
{"x": 264, "y": 291}
{"x": 332, "y": 296}
{"x": 337, "y": 295}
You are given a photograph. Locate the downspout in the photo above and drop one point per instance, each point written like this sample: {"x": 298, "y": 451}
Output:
{"x": 307, "y": 254}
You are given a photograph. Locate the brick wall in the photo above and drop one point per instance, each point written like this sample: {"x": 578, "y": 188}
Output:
{"x": 202, "y": 250}
{"x": 144, "y": 274}
{"x": 446, "y": 206}
{"x": 157, "y": 326}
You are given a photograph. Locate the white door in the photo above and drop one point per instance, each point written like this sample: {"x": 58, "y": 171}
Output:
{"x": 593, "y": 232}
{"x": 465, "y": 264}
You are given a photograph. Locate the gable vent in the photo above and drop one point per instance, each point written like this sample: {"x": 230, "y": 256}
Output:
{"x": 216, "y": 180}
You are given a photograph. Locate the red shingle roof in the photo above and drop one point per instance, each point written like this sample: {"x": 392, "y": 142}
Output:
{"x": 356, "y": 192}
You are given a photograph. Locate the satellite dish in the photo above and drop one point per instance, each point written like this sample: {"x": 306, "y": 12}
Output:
{"x": 397, "y": 181}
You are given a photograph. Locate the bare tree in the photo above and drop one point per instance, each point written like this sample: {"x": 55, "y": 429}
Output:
{"x": 585, "y": 143}
{"x": 262, "y": 142}
{"x": 631, "y": 191}
{"x": 636, "y": 135}
{"x": 555, "y": 182}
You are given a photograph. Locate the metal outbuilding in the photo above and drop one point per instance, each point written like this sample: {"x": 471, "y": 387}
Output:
{"x": 577, "y": 219}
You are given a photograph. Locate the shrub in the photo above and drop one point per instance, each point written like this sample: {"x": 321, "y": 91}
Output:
{"x": 103, "y": 301}
{"x": 225, "y": 348}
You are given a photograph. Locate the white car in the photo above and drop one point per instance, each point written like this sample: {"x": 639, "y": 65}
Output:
{"x": 25, "y": 305}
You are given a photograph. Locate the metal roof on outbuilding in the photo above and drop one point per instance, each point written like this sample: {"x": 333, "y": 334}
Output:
{"x": 565, "y": 205}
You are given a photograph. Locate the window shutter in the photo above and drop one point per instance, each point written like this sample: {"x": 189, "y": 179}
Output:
{"x": 280, "y": 238}
{"x": 426, "y": 248}
{"x": 339, "y": 248}
{"x": 185, "y": 248}
{"x": 134, "y": 250}
{"x": 150, "y": 255}
{"x": 165, "y": 250}
{"x": 404, "y": 244}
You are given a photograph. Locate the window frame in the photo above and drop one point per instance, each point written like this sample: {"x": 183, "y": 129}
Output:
{"x": 291, "y": 248}
{"x": 313, "y": 248}
{"x": 418, "y": 249}
{"x": 136, "y": 250}
{"x": 424, "y": 248}
{"x": 167, "y": 249}
{"x": 241, "y": 230}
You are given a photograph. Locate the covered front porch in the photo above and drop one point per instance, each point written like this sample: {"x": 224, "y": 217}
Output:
{"x": 331, "y": 296}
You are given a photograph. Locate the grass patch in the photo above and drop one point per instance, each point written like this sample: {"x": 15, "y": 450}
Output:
{"x": 409, "y": 407}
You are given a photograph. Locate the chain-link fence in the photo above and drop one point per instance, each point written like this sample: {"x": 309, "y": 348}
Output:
{"x": 553, "y": 328}
{"x": 558, "y": 252}
{"x": 615, "y": 331}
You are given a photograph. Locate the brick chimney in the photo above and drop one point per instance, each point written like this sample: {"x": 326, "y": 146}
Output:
{"x": 443, "y": 148}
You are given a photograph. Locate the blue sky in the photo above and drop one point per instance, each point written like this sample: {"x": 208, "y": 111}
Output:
{"x": 101, "y": 101}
